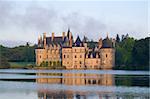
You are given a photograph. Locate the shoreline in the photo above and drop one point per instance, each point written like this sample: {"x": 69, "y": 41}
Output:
{"x": 46, "y": 68}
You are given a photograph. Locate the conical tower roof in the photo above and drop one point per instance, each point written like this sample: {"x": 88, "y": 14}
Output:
{"x": 78, "y": 42}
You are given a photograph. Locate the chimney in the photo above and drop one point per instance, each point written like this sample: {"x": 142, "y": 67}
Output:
{"x": 38, "y": 40}
{"x": 63, "y": 35}
{"x": 44, "y": 38}
{"x": 114, "y": 42}
{"x": 100, "y": 43}
{"x": 53, "y": 36}
{"x": 70, "y": 39}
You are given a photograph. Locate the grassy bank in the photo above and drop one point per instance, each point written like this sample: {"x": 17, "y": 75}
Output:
{"x": 21, "y": 65}
{"x": 145, "y": 68}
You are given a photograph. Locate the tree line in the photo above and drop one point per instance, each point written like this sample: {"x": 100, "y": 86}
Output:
{"x": 131, "y": 54}
{"x": 23, "y": 53}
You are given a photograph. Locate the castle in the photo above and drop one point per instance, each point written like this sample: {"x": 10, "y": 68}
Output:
{"x": 78, "y": 54}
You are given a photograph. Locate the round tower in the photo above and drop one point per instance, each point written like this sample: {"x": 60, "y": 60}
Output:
{"x": 107, "y": 53}
{"x": 107, "y": 58}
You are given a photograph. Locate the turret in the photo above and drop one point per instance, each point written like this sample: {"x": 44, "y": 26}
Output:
{"x": 70, "y": 39}
{"x": 39, "y": 42}
{"x": 44, "y": 39}
{"x": 63, "y": 35}
{"x": 107, "y": 54}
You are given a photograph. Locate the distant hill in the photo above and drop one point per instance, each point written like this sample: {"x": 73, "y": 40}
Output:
{"x": 10, "y": 43}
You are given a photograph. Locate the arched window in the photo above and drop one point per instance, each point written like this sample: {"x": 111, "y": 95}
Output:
{"x": 80, "y": 62}
{"x": 64, "y": 56}
{"x": 75, "y": 56}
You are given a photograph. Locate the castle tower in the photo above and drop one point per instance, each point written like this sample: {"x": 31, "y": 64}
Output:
{"x": 107, "y": 53}
{"x": 70, "y": 37}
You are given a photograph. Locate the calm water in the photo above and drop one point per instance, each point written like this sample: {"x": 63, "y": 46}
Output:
{"x": 73, "y": 84}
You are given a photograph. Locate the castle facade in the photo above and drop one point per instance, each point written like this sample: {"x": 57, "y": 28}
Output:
{"x": 78, "y": 54}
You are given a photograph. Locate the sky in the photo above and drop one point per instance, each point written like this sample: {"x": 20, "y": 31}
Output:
{"x": 26, "y": 20}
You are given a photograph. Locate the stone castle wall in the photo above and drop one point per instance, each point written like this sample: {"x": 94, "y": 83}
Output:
{"x": 76, "y": 57}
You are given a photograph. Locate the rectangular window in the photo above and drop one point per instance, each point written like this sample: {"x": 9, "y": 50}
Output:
{"x": 80, "y": 56}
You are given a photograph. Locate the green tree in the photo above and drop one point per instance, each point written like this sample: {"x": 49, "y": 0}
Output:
{"x": 3, "y": 62}
{"x": 140, "y": 53}
{"x": 124, "y": 51}
{"x": 46, "y": 63}
{"x": 117, "y": 38}
{"x": 54, "y": 63}
{"x": 43, "y": 64}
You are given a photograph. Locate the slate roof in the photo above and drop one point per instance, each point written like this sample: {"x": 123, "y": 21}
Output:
{"x": 93, "y": 53}
{"x": 107, "y": 43}
{"x": 85, "y": 39}
{"x": 92, "y": 44}
{"x": 57, "y": 40}
{"x": 78, "y": 42}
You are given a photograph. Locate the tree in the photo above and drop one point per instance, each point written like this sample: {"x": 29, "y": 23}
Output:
{"x": 140, "y": 53}
{"x": 46, "y": 63}
{"x": 50, "y": 63}
{"x": 54, "y": 63}
{"x": 3, "y": 62}
{"x": 117, "y": 38}
{"x": 43, "y": 64}
{"x": 124, "y": 51}
{"x": 58, "y": 63}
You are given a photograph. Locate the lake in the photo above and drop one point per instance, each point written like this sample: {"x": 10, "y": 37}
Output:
{"x": 73, "y": 84}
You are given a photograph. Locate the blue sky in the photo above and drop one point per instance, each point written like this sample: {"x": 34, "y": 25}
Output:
{"x": 26, "y": 20}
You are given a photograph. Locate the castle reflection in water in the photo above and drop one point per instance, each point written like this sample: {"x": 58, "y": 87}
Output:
{"x": 72, "y": 79}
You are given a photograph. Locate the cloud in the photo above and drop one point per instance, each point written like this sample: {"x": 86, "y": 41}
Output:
{"x": 5, "y": 10}
{"x": 37, "y": 18}
{"x": 26, "y": 20}
{"x": 84, "y": 25}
